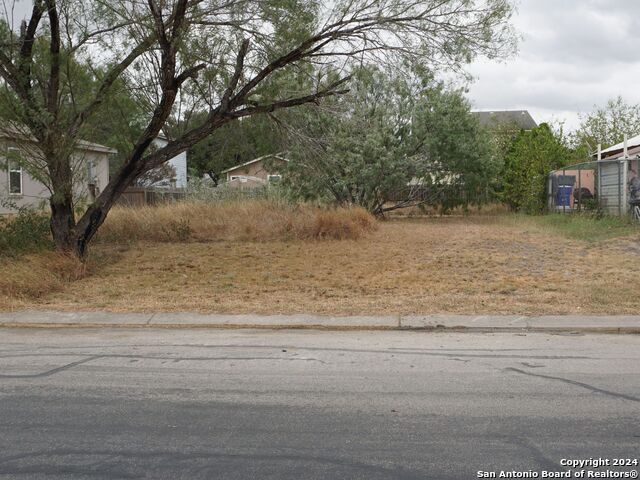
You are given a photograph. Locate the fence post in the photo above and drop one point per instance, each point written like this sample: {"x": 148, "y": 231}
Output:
{"x": 619, "y": 190}
{"x": 625, "y": 181}
{"x": 625, "y": 156}
{"x": 579, "y": 189}
{"x": 599, "y": 176}
{"x": 564, "y": 203}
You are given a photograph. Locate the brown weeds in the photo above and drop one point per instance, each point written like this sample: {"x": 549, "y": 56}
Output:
{"x": 248, "y": 220}
{"x": 476, "y": 265}
{"x": 37, "y": 274}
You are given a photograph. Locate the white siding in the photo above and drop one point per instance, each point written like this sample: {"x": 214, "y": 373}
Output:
{"x": 36, "y": 195}
{"x": 178, "y": 162}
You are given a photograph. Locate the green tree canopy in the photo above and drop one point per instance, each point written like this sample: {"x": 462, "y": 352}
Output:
{"x": 228, "y": 58}
{"x": 608, "y": 125}
{"x": 393, "y": 142}
{"x": 532, "y": 157}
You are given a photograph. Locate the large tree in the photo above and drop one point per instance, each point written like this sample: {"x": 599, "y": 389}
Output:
{"x": 394, "y": 141}
{"x": 608, "y": 125}
{"x": 180, "y": 55}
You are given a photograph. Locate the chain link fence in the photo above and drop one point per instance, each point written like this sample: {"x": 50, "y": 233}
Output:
{"x": 611, "y": 186}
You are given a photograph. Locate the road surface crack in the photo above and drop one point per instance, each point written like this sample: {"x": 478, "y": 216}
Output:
{"x": 53, "y": 371}
{"x": 576, "y": 383}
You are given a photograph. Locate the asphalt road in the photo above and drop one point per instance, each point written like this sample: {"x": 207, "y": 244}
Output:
{"x": 309, "y": 404}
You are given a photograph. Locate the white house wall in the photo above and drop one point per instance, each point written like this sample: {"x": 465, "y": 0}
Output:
{"x": 35, "y": 194}
{"x": 179, "y": 163}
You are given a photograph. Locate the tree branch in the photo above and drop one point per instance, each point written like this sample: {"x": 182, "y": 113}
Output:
{"x": 220, "y": 118}
{"x": 108, "y": 82}
{"x": 233, "y": 84}
{"x": 54, "y": 49}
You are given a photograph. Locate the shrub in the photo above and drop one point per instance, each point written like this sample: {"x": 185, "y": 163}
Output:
{"x": 28, "y": 231}
{"x": 533, "y": 155}
{"x": 254, "y": 220}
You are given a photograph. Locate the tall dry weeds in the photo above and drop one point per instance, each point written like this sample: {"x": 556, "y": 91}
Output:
{"x": 244, "y": 220}
{"x": 37, "y": 274}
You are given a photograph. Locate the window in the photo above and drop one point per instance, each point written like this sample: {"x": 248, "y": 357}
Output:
{"x": 15, "y": 171}
{"x": 274, "y": 178}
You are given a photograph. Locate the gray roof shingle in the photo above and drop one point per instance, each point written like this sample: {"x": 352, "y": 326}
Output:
{"x": 521, "y": 119}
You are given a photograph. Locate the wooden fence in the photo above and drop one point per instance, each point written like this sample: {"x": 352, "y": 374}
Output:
{"x": 139, "y": 196}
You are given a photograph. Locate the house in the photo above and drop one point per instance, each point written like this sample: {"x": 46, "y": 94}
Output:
{"x": 255, "y": 173}
{"x": 20, "y": 189}
{"x": 504, "y": 119}
{"x": 178, "y": 163}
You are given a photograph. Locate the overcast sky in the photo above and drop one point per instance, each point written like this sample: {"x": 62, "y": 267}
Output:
{"x": 573, "y": 54}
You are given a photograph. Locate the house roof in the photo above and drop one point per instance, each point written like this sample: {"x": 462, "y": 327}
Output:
{"x": 12, "y": 131}
{"x": 521, "y": 119}
{"x": 95, "y": 147}
{"x": 255, "y": 160}
{"x": 619, "y": 147}
{"x": 632, "y": 152}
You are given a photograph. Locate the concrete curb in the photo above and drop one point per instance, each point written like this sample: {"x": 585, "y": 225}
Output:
{"x": 426, "y": 323}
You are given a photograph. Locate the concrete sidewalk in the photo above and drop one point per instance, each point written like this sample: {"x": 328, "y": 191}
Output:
{"x": 459, "y": 323}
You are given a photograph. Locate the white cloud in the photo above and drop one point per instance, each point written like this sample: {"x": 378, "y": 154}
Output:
{"x": 573, "y": 54}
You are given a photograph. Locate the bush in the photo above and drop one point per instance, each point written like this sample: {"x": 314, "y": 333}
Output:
{"x": 240, "y": 220}
{"x": 533, "y": 155}
{"x": 28, "y": 231}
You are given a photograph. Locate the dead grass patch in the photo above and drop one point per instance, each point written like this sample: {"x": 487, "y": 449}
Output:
{"x": 253, "y": 220}
{"x": 34, "y": 275}
{"x": 473, "y": 265}
{"x": 490, "y": 209}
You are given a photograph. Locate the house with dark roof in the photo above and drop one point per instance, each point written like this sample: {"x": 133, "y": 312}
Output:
{"x": 499, "y": 119}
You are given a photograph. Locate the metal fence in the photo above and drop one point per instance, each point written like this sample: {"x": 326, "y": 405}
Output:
{"x": 609, "y": 185}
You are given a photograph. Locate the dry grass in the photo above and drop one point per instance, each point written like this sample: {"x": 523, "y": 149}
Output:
{"x": 470, "y": 265}
{"x": 35, "y": 275}
{"x": 253, "y": 220}
{"x": 491, "y": 209}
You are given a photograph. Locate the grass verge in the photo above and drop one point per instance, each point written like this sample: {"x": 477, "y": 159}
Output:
{"x": 577, "y": 226}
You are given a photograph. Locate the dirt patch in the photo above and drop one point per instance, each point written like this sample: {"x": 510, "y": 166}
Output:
{"x": 440, "y": 265}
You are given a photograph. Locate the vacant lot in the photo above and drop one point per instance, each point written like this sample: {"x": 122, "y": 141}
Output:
{"x": 503, "y": 264}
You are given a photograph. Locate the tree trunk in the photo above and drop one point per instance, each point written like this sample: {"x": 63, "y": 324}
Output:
{"x": 63, "y": 218}
{"x": 96, "y": 214}
{"x": 87, "y": 228}
{"x": 62, "y": 223}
